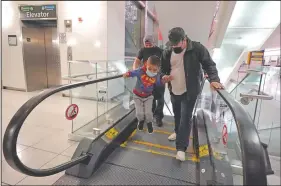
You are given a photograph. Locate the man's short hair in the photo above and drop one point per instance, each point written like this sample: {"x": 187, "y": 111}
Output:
{"x": 154, "y": 60}
{"x": 176, "y": 35}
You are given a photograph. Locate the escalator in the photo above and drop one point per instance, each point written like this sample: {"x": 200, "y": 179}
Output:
{"x": 121, "y": 155}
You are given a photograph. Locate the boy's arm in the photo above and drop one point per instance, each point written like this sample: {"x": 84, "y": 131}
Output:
{"x": 133, "y": 73}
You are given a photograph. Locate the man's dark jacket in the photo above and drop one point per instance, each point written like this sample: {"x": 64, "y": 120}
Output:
{"x": 196, "y": 55}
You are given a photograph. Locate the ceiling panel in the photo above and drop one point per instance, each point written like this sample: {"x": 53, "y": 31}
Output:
{"x": 195, "y": 17}
{"x": 247, "y": 37}
{"x": 258, "y": 14}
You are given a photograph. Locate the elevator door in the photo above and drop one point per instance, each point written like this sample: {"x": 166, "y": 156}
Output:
{"x": 41, "y": 57}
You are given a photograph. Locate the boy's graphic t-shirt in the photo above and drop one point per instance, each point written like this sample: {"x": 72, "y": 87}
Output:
{"x": 145, "y": 84}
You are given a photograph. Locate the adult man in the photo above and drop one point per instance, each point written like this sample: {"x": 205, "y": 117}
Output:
{"x": 148, "y": 50}
{"x": 181, "y": 65}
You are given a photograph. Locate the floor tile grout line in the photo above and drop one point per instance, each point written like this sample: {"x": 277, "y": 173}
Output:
{"x": 60, "y": 154}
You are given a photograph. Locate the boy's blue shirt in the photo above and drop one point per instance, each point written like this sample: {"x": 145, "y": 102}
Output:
{"x": 145, "y": 84}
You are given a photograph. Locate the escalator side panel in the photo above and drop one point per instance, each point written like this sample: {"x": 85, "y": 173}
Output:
{"x": 154, "y": 164}
{"x": 101, "y": 147}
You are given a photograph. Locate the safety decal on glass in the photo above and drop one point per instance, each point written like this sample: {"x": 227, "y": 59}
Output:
{"x": 71, "y": 112}
{"x": 224, "y": 135}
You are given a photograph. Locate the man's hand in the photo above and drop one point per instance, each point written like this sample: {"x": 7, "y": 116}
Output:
{"x": 167, "y": 78}
{"x": 216, "y": 85}
{"x": 127, "y": 74}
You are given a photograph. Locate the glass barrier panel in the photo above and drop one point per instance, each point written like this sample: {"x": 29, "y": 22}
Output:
{"x": 250, "y": 85}
{"x": 112, "y": 99}
{"x": 217, "y": 121}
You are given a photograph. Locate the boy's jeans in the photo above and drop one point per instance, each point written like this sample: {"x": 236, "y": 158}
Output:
{"x": 182, "y": 109}
{"x": 144, "y": 108}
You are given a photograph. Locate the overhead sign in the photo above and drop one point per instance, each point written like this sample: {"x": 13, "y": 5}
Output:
{"x": 71, "y": 112}
{"x": 35, "y": 12}
{"x": 256, "y": 57}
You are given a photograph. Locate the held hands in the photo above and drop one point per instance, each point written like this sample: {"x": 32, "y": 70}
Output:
{"x": 127, "y": 74}
{"x": 166, "y": 78}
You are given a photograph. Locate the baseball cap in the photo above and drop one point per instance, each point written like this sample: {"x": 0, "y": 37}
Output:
{"x": 176, "y": 35}
{"x": 148, "y": 38}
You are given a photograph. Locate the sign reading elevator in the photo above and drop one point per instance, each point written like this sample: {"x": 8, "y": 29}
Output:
{"x": 35, "y": 12}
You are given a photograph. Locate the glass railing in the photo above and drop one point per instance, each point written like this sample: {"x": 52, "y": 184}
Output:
{"x": 97, "y": 102}
{"x": 259, "y": 93}
{"x": 229, "y": 131}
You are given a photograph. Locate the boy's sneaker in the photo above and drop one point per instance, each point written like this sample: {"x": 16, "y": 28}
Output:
{"x": 150, "y": 128}
{"x": 140, "y": 125}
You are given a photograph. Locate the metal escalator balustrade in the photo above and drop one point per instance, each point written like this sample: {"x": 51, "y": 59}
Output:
{"x": 110, "y": 150}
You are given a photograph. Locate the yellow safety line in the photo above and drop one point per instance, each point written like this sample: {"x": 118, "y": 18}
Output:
{"x": 160, "y": 131}
{"x": 193, "y": 158}
{"x": 154, "y": 145}
{"x": 157, "y": 145}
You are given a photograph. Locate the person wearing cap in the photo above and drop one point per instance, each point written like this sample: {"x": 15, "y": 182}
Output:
{"x": 182, "y": 65}
{"x": 144, "y": 53}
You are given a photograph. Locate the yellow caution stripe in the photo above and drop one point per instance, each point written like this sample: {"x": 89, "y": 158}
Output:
{"x": 192, "y": 158}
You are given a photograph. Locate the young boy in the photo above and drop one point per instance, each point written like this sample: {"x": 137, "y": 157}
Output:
{"x": 147, "y": 77}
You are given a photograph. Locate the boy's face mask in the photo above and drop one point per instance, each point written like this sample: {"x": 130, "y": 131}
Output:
{"x": 151, "y": 74}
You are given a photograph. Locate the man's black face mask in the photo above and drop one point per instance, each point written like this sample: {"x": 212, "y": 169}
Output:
{"x": 177, "y": 50}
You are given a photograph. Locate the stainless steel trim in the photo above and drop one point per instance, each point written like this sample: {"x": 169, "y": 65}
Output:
{"x": 263, "y": 97}
{"x": 255, "y": 71}
{"x": 103, "y": 60}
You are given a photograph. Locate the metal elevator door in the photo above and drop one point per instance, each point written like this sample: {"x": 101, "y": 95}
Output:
{"x": 41, "y": 57}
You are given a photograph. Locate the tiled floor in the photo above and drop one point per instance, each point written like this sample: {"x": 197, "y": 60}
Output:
{"x": 42, "y": 142}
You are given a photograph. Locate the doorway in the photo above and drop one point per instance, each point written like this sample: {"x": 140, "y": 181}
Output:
{"x": 41, "y": 54}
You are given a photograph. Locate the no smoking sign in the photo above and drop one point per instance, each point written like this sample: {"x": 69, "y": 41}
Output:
{"x": 71, "y": 112}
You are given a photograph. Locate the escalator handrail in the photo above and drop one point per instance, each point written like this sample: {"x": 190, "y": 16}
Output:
{"x": 14, "y": 126}
{"x": 253, "y": 160}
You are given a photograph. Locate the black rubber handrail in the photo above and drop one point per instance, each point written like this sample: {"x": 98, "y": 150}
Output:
{"x": 13, "y": 129}
{"x": 253, "y": 160}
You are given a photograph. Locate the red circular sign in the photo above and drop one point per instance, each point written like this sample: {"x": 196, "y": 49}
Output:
{"x": 224, "y": 135}
{"x": 71, "y": 112}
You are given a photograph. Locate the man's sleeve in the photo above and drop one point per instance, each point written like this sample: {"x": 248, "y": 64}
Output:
{"x": 164, "y": 66}
{"x": 140, "y": 54}
{"x": 208, "y": 65}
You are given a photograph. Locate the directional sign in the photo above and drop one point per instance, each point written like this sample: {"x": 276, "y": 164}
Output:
{"x": 35, "y": 12}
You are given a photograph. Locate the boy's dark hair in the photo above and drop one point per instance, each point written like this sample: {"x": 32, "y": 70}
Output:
{"x": 154, "y": 60}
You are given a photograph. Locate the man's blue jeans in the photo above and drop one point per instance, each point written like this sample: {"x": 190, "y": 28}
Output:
{"x": 182, "y": 109}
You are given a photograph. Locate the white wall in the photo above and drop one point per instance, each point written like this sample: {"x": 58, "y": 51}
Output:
{"x": 12, "y": 61}
{"x": 195, "y": 17}
{"x": 90, "y": 40}
{"x": 274, "y": 40}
